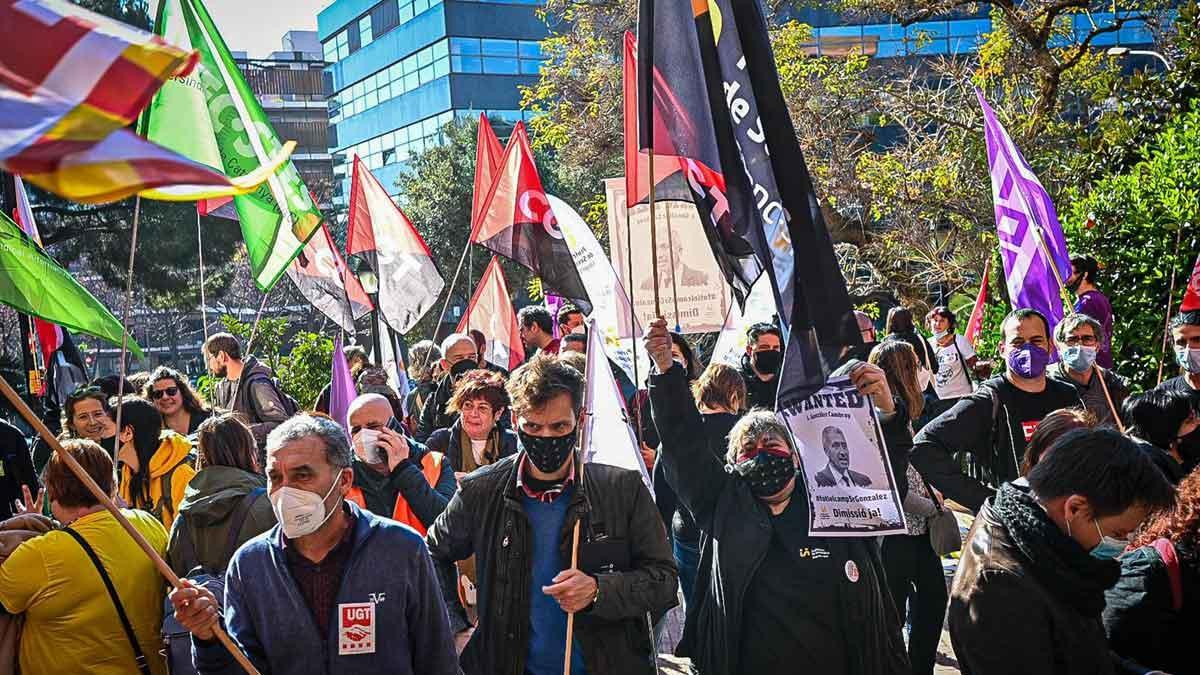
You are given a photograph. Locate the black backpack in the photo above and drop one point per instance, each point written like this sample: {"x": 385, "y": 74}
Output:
{"x": 177, "y": 641}
{"x": 290, "y": 405}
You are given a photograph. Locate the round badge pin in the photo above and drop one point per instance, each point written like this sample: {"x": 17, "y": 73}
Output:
{"x": 852, "y": 571}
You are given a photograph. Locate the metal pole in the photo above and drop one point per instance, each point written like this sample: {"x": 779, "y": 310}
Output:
{"x": 203, "y": 302}
{"x": 1162, "y": 359}
{"x": 375, "y": 342}
{"x": 654, "y": 241}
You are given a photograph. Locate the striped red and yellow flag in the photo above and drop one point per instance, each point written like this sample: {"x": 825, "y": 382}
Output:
{"x": 71, "y": 83}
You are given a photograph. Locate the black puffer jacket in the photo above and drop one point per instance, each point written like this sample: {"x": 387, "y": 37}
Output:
{"x": 737, "y": 535}
{"x": 486, "y": 519}
{"x": 1139, "y": 614}
{"x": 449, "y": 443}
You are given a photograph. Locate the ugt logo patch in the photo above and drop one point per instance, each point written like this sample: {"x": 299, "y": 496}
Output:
{"x": 356, "y": 628}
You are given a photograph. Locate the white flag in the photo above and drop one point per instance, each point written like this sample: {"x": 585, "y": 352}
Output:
{"x": 608, "y": 435}
{"x": 610, "y": 302}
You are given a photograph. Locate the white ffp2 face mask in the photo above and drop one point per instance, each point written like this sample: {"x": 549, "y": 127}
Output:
{"x": 301, "y": 512}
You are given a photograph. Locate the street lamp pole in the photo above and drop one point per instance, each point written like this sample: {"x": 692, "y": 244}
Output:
{"x": 1126, "y": 51}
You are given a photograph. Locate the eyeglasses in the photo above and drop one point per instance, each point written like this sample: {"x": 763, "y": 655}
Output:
{"x": 159, "y": 393}
{"x": 1085, "y": 340}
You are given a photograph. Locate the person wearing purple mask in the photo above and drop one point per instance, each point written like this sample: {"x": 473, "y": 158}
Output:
{"x": 993, "y": 425}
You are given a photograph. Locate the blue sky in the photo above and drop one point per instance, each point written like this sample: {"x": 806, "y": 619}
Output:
{"x": 257, "y": 26}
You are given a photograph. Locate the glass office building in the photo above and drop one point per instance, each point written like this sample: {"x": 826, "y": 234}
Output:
{"x": 400, "y": 69}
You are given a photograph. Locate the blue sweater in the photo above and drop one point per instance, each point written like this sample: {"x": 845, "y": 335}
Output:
{"x": 547, "y": 621}
{"x": 389, "y": 567}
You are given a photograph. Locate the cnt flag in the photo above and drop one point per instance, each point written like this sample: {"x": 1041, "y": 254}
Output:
{"x": 712, "y": 64}
{"x": 34, "y": 284}
{"x": 341, "y": 386}
{"x": 517, "y": 222}
{"x": 382, "y": 237}
{"x": 607, "y": 436}
{"x": 491, "y": 312}
{"x": 321, "y": 276}
{"x": 213, "y": 117}
{"x": 1191, "y": 297}
{"x": 488, "y": 154}
{"x": 1032, "y": 244}
{"x": 70, "y": 82}
{"x": 975, "y": 324}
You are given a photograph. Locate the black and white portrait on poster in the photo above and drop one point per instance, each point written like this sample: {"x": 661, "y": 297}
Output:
{"x": 851, "y": 489}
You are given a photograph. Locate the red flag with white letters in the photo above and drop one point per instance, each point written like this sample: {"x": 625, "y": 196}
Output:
{"x": 516, "y": 221}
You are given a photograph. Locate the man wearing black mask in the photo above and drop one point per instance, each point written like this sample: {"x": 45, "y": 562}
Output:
{"x": 761, "y": 363}
{"x": 770, "y": 598}
{"x": 517, "y": 517}
{"x": 459, "y": 356}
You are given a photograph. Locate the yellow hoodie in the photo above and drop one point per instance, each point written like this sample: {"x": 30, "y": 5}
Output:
{"x": 171, "y": 465}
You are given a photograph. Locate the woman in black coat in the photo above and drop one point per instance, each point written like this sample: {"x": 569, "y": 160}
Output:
{"x": 1152, "y": 613}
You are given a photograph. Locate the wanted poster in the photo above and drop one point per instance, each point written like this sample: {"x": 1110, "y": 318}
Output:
{"x": 851, "y": 489}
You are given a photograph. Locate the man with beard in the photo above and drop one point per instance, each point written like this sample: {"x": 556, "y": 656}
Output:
{"x": 248, "y": 387}
{"x": 517, "y": 517}
{"x": 770, "y": 598}
{"x": 459, "y": 356}
{"x": 761, "y": 363}
{"x": 537, "y": 330}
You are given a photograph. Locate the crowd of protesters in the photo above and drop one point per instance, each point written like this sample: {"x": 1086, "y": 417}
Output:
{"x": 452, "y": 527}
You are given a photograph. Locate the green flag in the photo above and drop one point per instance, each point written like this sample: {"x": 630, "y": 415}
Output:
{"x": 31, "y": 282}
{"x": 212, "y": 116}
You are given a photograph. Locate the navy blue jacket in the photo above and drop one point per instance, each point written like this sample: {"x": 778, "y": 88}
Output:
{"x": 389, "y": 566}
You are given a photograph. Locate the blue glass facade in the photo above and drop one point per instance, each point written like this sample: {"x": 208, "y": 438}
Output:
{"x": 836, "y": 34}
{"x": 400, "y": 69}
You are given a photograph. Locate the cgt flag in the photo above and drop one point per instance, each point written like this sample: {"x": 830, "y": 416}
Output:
{"x": 1032, "y": 244}
{"x": 491, "y": 312}
{"x": 975, "y": 324}
{"x": 670, "y": 182}
{"x": 517, "y": 222}
{"x": 712, "y": 63}
{"x": 322, "y": 277}
{"x": 213, "y": 117}
{"x": 383, "y": 238}
{"x": 34, "y": 284}
{"x": 488, "y": 154}
{"x": 1191, "y": 297}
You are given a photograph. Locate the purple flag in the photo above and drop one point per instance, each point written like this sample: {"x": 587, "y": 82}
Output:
{"x": 341, "y": 386}
{"x": 1023, "y": 210}
{"x": 553, "y": 304}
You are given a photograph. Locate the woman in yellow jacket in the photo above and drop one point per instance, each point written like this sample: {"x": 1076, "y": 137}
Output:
{"x": 156, "y": 465}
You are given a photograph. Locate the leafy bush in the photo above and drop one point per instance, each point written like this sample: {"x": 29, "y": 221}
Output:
{"x": 302, "y": 372}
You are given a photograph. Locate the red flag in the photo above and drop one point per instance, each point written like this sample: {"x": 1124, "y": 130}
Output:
{"x": 1191, "y": 297}
{"x": 491, "y": 312}
{"x": 488, "y": 153}
{"x": 669, "y": 177}
{"x": 975, "y": 323}
{"x": 383, "y": 238}
{"x": 517, "y": 222}
{"x": 322, "y": 277}
{"x": 49, "y": 335}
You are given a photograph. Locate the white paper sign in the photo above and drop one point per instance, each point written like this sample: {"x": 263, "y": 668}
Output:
{"x": 851, "y": 489}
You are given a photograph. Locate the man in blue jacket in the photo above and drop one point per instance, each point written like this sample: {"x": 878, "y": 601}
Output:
{"x": 331, "y": 589}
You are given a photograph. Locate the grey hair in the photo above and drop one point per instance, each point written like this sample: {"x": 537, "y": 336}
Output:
{"x": 1072, "y": 321}
{"x": 753, "y": 426}
{"x": 421, "y": 358}
{"x": 337, "y": 445}
{"x": 455, "y": 338}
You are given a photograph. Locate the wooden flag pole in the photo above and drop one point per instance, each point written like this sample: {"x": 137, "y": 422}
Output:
{"x": 73, "y": 464}
{"x": 137, "y": 212}
{"x": 654, "y": 240}
{"x": 571, "y": 615}
{"x": 1162, "y": 359}
{"x": 674, "y": 270}
{"x": 1104, "y": 386}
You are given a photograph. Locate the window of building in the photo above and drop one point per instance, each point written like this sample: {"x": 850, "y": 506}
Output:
{"x": 396, "y": 146}
{"x": 365, "y": 34}
{"x": 494, "y": 56}
{"x": 401, "y": 77}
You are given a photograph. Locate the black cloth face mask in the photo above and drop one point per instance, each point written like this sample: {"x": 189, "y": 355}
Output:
{"x": 768, "y": 361}
{"x": 766, "y": 473}
{"x": 547, "y": 452}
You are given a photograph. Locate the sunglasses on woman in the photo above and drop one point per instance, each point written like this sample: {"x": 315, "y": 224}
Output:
{"x": 159, "y": 393}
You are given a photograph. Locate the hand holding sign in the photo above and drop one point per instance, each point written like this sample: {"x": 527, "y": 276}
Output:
{"x": 871, "y": 381}
{"x": 658, "y": 344}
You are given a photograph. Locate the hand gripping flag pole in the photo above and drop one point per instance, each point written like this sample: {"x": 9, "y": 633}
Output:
{"x": 107, "y": 503}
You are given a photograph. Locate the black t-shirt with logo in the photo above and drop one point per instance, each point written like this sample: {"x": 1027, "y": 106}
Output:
{"x": 787, "y": 625}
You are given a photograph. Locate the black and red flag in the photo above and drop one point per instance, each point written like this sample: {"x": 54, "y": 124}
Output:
{"x": 516, "y": 221}
{"x": 709, "y": 62}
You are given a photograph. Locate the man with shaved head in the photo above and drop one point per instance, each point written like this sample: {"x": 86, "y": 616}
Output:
{"x": 395, "y": 476}
{"x": 459, "y": 356}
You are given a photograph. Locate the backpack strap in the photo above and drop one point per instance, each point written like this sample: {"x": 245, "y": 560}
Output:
{"x": 138, "y": 654}
{"x": 966, "y": 369}
{"x": 1166, "y": 551}
{"x": 164, "y": 500}
{"x": 237, "y": 521}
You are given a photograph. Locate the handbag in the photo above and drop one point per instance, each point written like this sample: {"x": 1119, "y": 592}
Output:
{"x": 944, "y": 535}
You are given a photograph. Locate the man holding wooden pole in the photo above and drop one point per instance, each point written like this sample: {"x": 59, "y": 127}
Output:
{"x": 570, "y": 558}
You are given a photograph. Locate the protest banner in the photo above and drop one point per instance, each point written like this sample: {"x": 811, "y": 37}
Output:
{"x": 685, "y": 263}
{"x": 851, "y": 489}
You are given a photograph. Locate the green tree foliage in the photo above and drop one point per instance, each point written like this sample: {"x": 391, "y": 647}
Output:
{"x": 302, "y": 364}
{"x": 1138, "y": 216}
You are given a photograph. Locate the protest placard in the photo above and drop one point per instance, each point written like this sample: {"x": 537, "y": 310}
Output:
{"x": 851, "y": 489}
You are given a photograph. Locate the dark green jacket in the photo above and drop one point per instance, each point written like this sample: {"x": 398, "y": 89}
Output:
{"x": 200, "y": 534}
